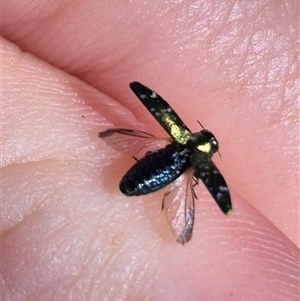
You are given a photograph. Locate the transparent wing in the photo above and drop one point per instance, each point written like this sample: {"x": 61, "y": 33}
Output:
{"x": 178, "y": 204}
{"x": 132, "y": 142}
{"x": 162, "y": 112}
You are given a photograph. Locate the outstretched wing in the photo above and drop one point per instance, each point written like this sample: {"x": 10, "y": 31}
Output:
{"x": 162, "y": 112}
{"x": 207, "y": 171}
{"x": 132, "y": 142}
{"x": 178, "y": 204}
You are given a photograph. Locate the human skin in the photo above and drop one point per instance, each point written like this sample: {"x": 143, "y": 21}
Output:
{"x": 67, "y": 231}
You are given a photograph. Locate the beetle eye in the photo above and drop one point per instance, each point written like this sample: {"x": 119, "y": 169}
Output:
{"x": 215, "y": 144}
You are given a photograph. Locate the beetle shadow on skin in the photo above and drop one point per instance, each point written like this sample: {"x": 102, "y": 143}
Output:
{"x": 146, "y": 209}
{"x": 112, "y": 172}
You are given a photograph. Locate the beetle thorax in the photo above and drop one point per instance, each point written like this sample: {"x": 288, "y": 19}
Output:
{"x": 204, "y": 141}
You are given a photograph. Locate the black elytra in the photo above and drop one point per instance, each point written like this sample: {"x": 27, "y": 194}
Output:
{"x": 160, "y": 167}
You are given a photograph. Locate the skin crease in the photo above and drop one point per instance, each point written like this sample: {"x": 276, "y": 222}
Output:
{"x": 67, "y": 231}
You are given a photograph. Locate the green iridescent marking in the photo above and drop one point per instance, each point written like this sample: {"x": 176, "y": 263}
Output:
{"x": 181, "y": 135}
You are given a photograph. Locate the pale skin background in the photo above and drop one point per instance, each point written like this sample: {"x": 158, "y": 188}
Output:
{"x": 67, "y": 231}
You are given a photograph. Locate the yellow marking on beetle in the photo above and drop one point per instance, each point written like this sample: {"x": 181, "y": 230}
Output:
{"x": 228, "y": 212}
{"x": 180, "y": 135}
{"x": 205, "y": 147}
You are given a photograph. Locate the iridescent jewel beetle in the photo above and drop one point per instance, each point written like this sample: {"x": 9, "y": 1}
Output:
{"x": 179, "y": 160}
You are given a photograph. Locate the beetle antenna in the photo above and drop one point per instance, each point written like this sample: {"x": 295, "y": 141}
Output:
{"x": 200, "y": 124}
